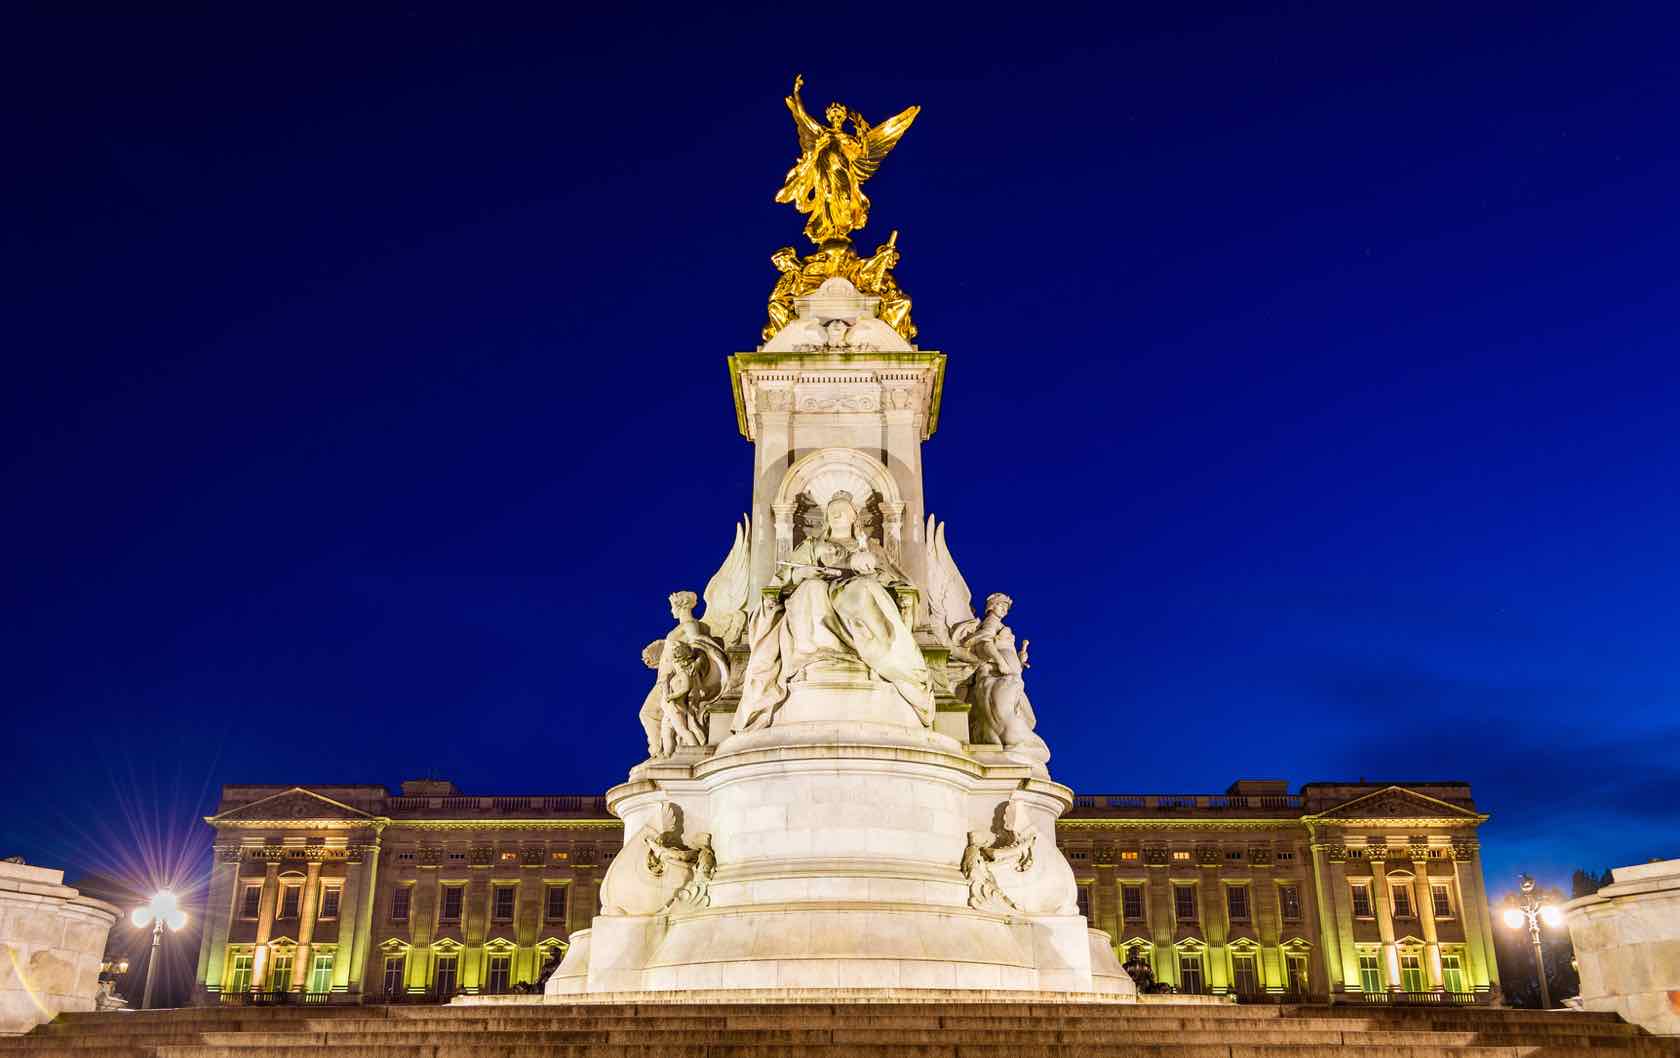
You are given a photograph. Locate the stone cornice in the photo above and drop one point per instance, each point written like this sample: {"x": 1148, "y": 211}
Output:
{"x": 1135, "y": 823}
{"x": 505, "y": 824}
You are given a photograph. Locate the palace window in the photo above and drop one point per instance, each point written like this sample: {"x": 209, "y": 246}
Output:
{"x": 280, "y": 973}
{"x": 509, "y": 856}
{"x": 497, "y": 981}
{"x": 1362, "y": 901}
{"x": 394, "y": 967}
{"x": 320, "y": 975}
{"x": 1452, "y": 972}
{"x": 1411, "y": 972}
{"x": 1289, "y": 901}
{"x": 1370, "y": 972}
{"x": 1298, "y": 980}
{"x": 1233, "y": 854}
{"x": 250, "y": 901}
{"x": 555, "y": 905}
{"x": 1286, "y": 857}
{"x": 443, "y": 981}
{"x": 240, "y": 979}
{"x": 1084, "y": 898}
{"x": 452, "y": 897}
{"x": 1440, "y": 901}
{"x": 1078, "y": 854}
{"x": 400, "y": 898}
{"x": 1184, "y": 902}
{"x": 405, "y": 857}
{"x": 1129, "y": 855}
{"x": 1244, "y": 980}
{"x": 290, "y": 897}
{"x": 1190, "y": 972}
{"x": 1236, "y": 902}
{"x": 329, "y": 901}
{"x": 559, "y": 855}
{"x": 1131, "y": 903}
{"x": 1181, "y": 854}
{"x": 1403, "y": 900}
{"x": 502, "y": 903}
{"x": 457, "y": 857}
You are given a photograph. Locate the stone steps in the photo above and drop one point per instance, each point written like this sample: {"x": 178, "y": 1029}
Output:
{"x": 855, "y": 1029}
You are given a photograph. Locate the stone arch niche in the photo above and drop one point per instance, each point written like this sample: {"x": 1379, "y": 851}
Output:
{"x": 818, "y": 476}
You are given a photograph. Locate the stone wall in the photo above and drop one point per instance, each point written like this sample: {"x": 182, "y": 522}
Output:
{"x": 52, "y": 940}
{"x": 1627, "y": 943}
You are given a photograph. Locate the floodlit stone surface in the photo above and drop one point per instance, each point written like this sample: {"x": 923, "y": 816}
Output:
{"x": 1627, "y": 943}
{"x": 52, "y": 940}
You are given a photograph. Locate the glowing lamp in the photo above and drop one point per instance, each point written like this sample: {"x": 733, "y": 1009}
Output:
{"x": 1513, "y": 918}
{"x": 164, "y": 910}
{"x": 1551, "y": 916}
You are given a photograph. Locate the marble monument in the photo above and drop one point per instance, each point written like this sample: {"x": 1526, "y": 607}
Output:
{"x": 844, "y": 788}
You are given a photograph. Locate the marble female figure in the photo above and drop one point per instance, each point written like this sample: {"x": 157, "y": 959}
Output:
{"x": 833, "y": 603}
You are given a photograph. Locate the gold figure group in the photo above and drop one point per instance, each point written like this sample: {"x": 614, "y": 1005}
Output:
{"x": 826, "y": 184}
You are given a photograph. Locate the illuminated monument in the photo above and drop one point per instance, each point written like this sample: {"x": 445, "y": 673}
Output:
{"x": 844, "y": 788}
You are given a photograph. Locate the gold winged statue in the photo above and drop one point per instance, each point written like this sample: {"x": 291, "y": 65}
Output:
{"x": 826, "y": 183}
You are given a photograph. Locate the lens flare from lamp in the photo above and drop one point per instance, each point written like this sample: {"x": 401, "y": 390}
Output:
{"x": 176, "y": 919}
{"x": 1514, "y": 918}
{"x": 142, "y": 916}
{"x": 1551, "y": 916}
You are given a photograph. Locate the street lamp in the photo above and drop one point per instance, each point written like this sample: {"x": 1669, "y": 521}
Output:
{"x": 1531, "y": 911}
{"x": 163, "y": 910}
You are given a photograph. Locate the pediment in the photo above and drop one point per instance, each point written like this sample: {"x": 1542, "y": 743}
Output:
{"x": 1396, "y": 802}
{"x": 290, "y": 806}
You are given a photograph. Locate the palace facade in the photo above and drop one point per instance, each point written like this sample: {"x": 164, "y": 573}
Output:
{"x": 1340, "y": 891}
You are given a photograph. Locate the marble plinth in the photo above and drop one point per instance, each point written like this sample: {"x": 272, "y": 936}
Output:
{"x": 840, "y": 835}
{"x": 52, "y": 940}
{"x": 1627, "y": 944}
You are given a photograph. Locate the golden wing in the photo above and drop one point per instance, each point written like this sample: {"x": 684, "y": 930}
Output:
{"x": 880, "y": 139}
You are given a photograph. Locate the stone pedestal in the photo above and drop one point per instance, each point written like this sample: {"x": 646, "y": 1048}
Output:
{"x": 1627, "y": 943}
{"x": 840, "y": 835}
{"x": 52, "y": 940}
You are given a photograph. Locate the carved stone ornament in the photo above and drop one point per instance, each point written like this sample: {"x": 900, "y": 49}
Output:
{"x": 657, "y": 873}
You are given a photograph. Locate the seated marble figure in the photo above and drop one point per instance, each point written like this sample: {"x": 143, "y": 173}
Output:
{"x": 832, "y": 601}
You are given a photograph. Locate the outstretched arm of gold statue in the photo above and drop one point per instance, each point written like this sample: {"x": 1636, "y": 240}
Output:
{"x": 808, "y": 128}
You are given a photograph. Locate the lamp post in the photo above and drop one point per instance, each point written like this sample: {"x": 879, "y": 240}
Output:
{"x": 1531, "y": 911}
{"x": 163, "y": 910}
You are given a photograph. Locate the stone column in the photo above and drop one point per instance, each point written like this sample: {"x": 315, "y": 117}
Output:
{"x": 1385, "y": 924}
{"x": 1159, "y": 893}
{"x": 265, "y": 926}
{"x": 347, "y": 924}
{"x": 218, "y": 918}
{"x": 1214, "y": 930}
{"x": 368, "y": 887}
{"x": 1335, "y": 918}
{"x": 308, "y": 900}
{"x": 1478, "y": 931}
{"x": 1426, "y": 919}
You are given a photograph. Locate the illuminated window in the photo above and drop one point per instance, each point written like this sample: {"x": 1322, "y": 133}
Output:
{"x": 1362, "y": 901}
{"x": 1129, "y": 855}
{"x": 1452, "y": 972}
{"x": 320, "y": 974}
{"x": 555, "y": 906}
{"x": 559, "y": 855}
{"x": 1403, "y": 900}
{"x": 394, "y": 966}
{"x": 1289, "y": 900}
{"x": 240, "y": 979}
{"x": 1236, "y": 902}
{"x": 290, "y": 896}
{"x": 1245, "y": 981}
{"x": 1084, "y": 898}
{"x": 452, "y": 896}
{"x": 1184, "y": 903}
{"x": 443, "y": 981}
{"x": 1296, "y": 967}
{"x": 1370, "y": 973}
{"x": 1440, "y": 901}
{"x": 509, "y": 856}
{"x": 1411, "y": 972}
{"x": 280, "y": 973}
{"x": 1181, "y": 854}
{"x": 1190, "y": 972}
{"x": 399, "y": 903}
{"x": 497, "y": 983}
{"x": 329, "y": 901}
{"x": 250, "y": 901}
{"x": 1131, "y": 903}
{"x": 502, "y": 903}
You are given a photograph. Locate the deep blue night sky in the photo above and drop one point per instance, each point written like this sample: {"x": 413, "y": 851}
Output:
{"x": 1312, "y": 389}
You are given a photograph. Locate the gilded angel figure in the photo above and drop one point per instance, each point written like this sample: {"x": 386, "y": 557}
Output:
{"x": 827, "y": 181}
